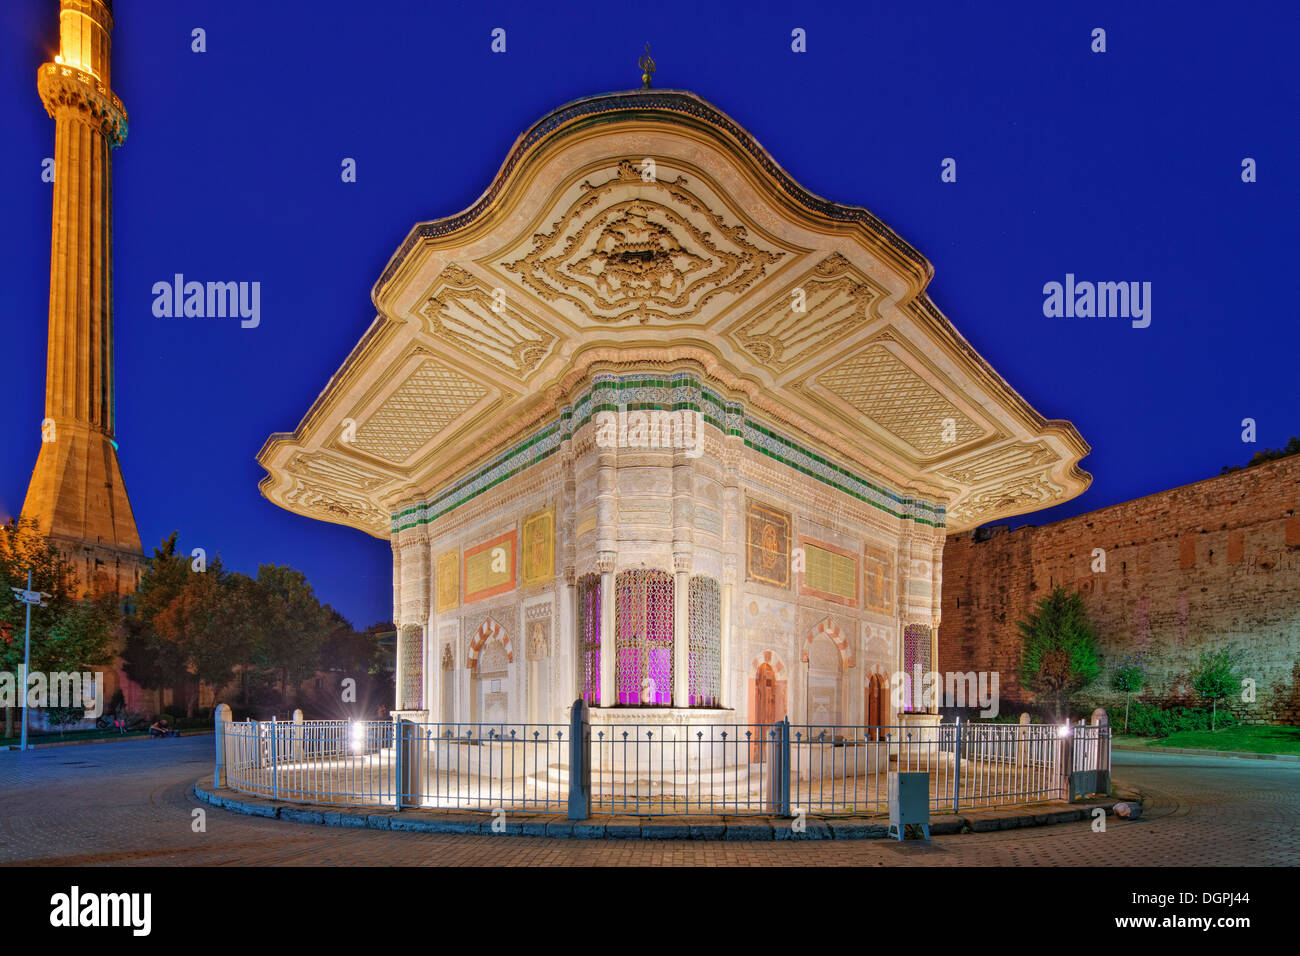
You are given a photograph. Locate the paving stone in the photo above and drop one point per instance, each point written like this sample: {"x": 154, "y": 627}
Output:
{"x": 666, "y": 831}
{"x": 1197, "y": 812}
{"x": 748, "y": 831}
{"x": 457, "y": 825}
{"x": 708, "y": 831}
{"x": 413, "y": 824}
{"x": 856, "y": 830}
{"x": 302, "y": 816}
{"x": 622, "y": 831}
{"x": 344, "y": 818}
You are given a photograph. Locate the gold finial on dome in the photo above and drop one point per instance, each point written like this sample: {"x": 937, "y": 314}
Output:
{"x": 647, "y": 65}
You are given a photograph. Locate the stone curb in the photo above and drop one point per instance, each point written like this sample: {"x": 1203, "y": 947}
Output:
{"x": 634, "y": 828}
{"x": 121, "y": 739}
{"x": 1193, "y": 752}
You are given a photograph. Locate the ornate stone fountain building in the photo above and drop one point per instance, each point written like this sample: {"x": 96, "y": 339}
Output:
{"x": 651, "y": 425}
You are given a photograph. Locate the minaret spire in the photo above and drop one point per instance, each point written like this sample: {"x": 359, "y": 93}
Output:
{"x": 77, "y": 496}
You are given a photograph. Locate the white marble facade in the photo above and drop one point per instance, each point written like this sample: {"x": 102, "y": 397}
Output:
{"x": 511, "y": 652}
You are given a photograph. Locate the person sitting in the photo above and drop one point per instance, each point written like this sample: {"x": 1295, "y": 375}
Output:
{"x": 159, "y": 728}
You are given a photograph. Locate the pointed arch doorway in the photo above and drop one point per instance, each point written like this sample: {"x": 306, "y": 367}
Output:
{"x": 767, "y": 702}
{"x": 876, "y": 706}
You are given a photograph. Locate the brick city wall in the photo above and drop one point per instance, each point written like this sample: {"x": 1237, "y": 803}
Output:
{"x": 1187, "y": 570}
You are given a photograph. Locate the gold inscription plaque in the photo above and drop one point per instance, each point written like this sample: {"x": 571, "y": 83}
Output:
{"x": 768, "y": 545}
{"x": 539, "y": 547}
{"x": 448, "y": 581}
{"x": 490, "y": 567}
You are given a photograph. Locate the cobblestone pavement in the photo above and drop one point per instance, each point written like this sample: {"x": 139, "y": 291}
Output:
{"x": 131, "y": 803}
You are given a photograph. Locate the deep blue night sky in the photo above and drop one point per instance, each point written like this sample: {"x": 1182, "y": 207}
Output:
{"x": 1117, "y": 166}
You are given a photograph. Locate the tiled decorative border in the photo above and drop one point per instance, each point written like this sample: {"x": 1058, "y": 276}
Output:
{"x": 680, "y": 391}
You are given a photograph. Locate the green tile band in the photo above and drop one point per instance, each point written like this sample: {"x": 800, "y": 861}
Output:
{"x": 681, "y": 392}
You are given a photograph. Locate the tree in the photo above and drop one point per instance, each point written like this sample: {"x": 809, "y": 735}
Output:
{"x": 1058, "y": 652}
{"x": 293, "y": 625}
{"x": 1128, "y": 677}
{"x": 68, "y": 633}
{"x": 1292, "y": 447}
{"x": 349, "y": 651}
{"x": 65, "y": 717}
{"x": 150, "y": 658}
{"x": 1216, "y": 677}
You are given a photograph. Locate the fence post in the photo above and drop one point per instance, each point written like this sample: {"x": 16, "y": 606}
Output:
{"x": 956, "y": 766}
{"x": 408, "y": 776}
{"x": 399, "y": 762}
{"x": 778, "y": 773}
{"x": 785, "y": 766}
{"x": 220, "y": 716}
{"x": 275, "y": 782}
{"x": 579, "y": 762}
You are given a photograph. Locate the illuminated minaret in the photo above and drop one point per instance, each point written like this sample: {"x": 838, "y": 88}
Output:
{"x": 77, "y": 496}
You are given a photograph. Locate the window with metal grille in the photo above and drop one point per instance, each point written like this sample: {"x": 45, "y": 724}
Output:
{"x": 704, "y": 664}
{"x": 412, "y": 653}
{"x": 589, "y": 638}
{"x": 643, "y": 613}
{"x": 916, "y": 656}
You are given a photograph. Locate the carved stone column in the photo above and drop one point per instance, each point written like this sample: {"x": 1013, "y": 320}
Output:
{"x": 606, "y": 555}
{"x": 733, "y": 545}
{"x": 605, "y": 565}
{"x": 683, "y": 562}
{"x": 565, "y": 646}
{"x": 566, "y": 642}
{"x": 681, "y": 629}
{"x": 728, "y": 651}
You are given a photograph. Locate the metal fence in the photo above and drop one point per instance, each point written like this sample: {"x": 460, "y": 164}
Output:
{"x": 657, "y": 769}
{"x": 371, "y": 763}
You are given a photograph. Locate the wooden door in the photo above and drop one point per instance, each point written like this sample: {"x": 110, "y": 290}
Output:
{"x": 764, "y": 710}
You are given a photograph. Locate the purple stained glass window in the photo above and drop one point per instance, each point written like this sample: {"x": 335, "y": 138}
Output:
{"x": 916, "y": 656}
{"x": 643, "y": 613}
{"x": 589, "y": 637}
{"x": 704, "y": 669}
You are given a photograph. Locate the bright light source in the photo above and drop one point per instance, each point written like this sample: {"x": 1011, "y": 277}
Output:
{"x": 1064, "y": 731}
{"x": 358, "y": 737}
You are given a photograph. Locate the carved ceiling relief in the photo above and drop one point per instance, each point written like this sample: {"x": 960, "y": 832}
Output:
{"x": 330, "y": 468}
{"x": 1000, "y": 462}
{"x": 827, "y": 304}
{"x": 461, "y": 310}
{"x": 431, "y": 398}
{"x": 332, "y": 506}
{"x": 629, "y": 249}
{"x": 1015, "y": 494}
{"x": 881, "y": 386}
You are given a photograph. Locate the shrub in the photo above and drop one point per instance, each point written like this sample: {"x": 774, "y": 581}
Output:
{"x": 1147, "y": 720}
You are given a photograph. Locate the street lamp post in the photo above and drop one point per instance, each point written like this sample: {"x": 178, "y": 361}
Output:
{"x": 28, "y": 597}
